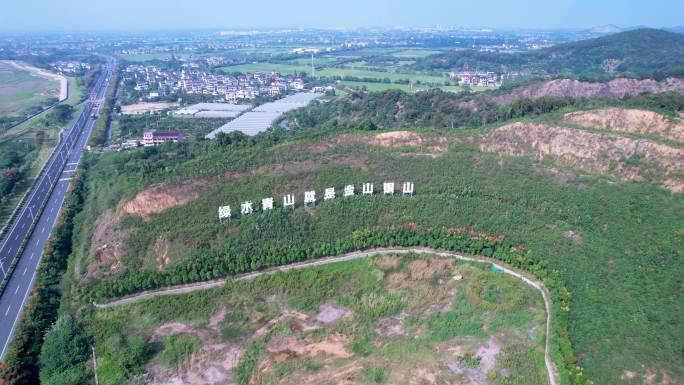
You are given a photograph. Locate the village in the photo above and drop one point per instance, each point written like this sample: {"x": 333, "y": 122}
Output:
{"x": 154, "y": 82}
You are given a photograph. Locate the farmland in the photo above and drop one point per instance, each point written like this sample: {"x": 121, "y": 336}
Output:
{"x": 22, "y": 92}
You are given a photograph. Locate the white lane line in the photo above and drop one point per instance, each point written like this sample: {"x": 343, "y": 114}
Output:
{"x": 24, "y": 273}
{"x": 16, "y": 290}
{"x": 17, "y": 237}
{"x": 8, "y": 309}
{"x": 43, "y": 231}
{"x": 9, "y": 339}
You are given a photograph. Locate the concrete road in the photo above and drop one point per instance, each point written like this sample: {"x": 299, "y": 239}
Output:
{"x": 59, "y": 170}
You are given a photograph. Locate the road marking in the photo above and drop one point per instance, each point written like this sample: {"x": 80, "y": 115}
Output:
{"x": 24, "y": 273}
{"x": 43, "y": 231}
{"x": 17, "y": 237}
{"x": 32, "y": 255}
{"x": 8, "y": 309}
{"x": 65, "y": 179}
{"x": 16, "y": 290}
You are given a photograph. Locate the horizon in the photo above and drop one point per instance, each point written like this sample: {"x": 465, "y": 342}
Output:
{"x": 129, "y": 16}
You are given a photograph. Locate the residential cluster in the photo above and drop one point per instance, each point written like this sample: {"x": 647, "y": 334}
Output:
{"x": 477, "y": 78}
{"x": 70, "y": 67}
{"x": 161, "y": 82}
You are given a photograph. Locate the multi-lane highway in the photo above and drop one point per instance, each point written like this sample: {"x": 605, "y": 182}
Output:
{"x": 47, "y": 193}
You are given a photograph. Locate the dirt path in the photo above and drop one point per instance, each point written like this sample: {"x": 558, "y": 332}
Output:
{"x": 554, "y": 378}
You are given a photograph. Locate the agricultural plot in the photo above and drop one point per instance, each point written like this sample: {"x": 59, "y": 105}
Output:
{"x": 389, "y": 319}
{"x": 286, "y": 69}
{"x": 22, "y": 92}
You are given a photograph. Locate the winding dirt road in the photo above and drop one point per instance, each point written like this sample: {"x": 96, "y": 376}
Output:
{"x": 554, "y": 378}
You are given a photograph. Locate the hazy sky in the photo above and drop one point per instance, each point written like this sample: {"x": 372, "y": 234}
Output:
{"x": 74, "y": 15}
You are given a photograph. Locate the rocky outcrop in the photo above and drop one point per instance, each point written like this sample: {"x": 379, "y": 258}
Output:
{"x": 622, "y": 157}
{"x": 575, "y": 88}
{"x": 626, "y": 120}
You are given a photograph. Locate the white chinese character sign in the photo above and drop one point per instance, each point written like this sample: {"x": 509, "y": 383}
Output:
{"x": 246, "y": 208}
{"x": 348, "y": 190}
{"x": 289, "y": 201}
{"x": 267, "y": 204}
{"x": 407, "y": 188}
{"x": 309, "y": 198}
{"x": 224, "y": 212}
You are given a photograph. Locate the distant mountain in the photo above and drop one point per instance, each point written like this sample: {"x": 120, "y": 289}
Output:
{"x": 677, "y": 29}
{"x": 608, "y": 28}
{"x": 640, "y": 52}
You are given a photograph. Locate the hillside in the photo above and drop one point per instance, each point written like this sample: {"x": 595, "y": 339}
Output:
{"x": 568, "y": 188}
{"x": 640, "y": 52}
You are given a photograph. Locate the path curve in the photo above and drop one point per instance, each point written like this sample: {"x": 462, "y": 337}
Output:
{"x": 554, "y": 378}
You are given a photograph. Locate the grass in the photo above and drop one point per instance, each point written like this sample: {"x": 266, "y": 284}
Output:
{"x": 21, "y": 92}
{"x": 379, "y": 357}
{"x": 285, "y": 69}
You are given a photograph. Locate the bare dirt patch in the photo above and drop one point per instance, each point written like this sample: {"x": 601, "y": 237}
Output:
{"x": 212, "y": 364}
{"x": 387, "y": 262}
{"x": 140, "y": 108}
{"x": 574, "y": 237}
{"x": 575, "y": 88}
{"x": 625, "y": 158}
{"x": 629, "y": 120}
{"x": 288, "y": 347}
{"x": 330, "y": 314}
{"x": 427, "y": 268}
{"x": 159, "y": 197}
{"x": 434, "y": 145}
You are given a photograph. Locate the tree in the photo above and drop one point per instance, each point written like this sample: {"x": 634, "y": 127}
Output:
{"x": 64, "y": 353}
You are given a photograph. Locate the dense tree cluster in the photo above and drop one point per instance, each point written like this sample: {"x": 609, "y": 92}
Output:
{"x": 439, "y": 109}
{"x": 641, "y": 53}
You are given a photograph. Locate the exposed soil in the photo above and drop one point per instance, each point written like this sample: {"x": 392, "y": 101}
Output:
{"x": 574, "y": 237}
{"x": 393, "y": 139}
{"x": 576, "y": 88}
{"x": 288, "y": 347}
{"x": 330, "y": 314}
{"x": 139, "y": 108}
{"x": 212, "y": 364}
{"x": 626, "y": 120}
{"x": 159, "y": 197}
{"x": 423, "y": 269}
{"x": 387, "y": 262}
{"x": 625, "y": 158}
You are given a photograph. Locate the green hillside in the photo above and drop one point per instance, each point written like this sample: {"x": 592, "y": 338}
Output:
{"x": 640, "y": 52}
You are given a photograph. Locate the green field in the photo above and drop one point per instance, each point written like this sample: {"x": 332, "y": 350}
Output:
{"x": 285, "y": 69}
{"x": 22, "y": 92}
{"x": 373, "y": 87}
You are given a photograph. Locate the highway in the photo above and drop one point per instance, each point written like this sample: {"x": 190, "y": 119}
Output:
{"x": 57, "y": 173}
